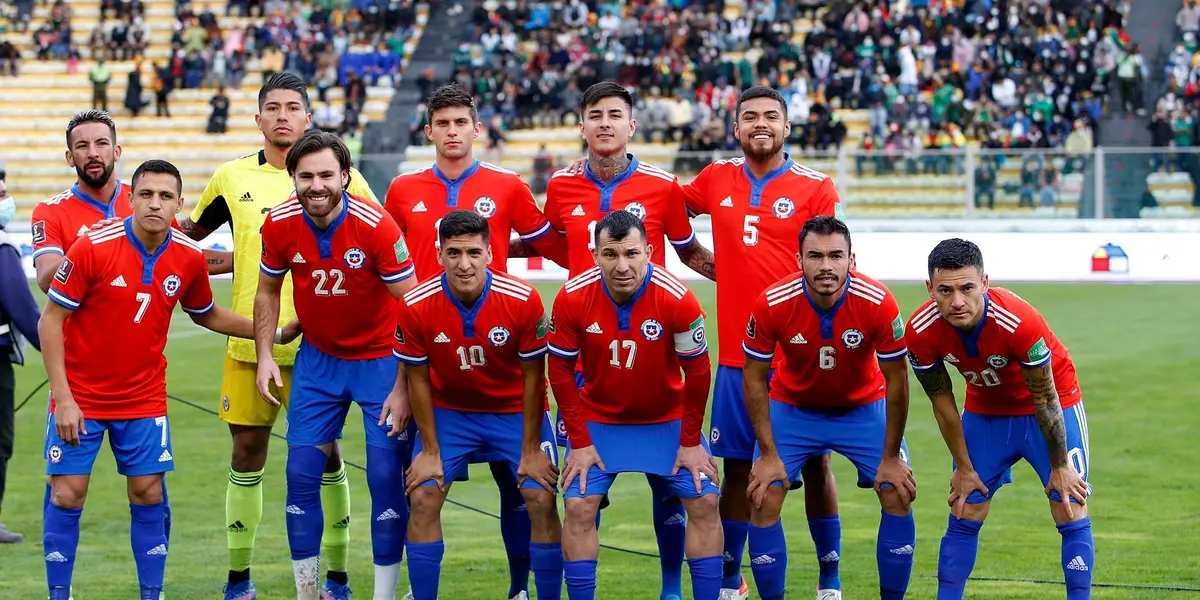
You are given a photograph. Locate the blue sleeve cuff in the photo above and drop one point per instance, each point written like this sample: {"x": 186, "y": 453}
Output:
{"x": 63, "y": 299}
{"x": 756, "y": 355}
{"x": 415, "y": 361}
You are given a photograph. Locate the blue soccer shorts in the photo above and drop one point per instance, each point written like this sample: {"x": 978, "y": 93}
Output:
{"x": 141, "y": 447}
{"x": 649, "y": 449}
{"x": 996, "y": 443}
{"x": 323, "y": 388}
{"x": 468, "y": 438}
{"x": 731, "y": 433}
{"x": 857, "y": 433}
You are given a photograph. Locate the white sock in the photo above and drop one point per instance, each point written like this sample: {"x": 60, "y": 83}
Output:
{"x": 387, "y": 578}
{"x": 308, "y": 577}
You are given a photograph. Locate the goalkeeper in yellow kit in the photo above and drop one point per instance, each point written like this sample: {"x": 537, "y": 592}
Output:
{"x": 240, "y": 193}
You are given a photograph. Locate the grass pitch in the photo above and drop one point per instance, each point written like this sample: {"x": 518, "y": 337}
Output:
{"x": 1134, "y": 347}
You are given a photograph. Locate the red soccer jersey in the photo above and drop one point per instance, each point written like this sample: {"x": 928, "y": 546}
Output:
{"x": 418, "y": 201}
{"x": 830, "y": 358}
{"x": 122, "y": 298}
{"x": 60, "y": 221}
{"x": 474, "y": 355}
{"x": 756, "y": 233}
{"x": 1011, "y": 331}
{"x": 340, "y": 274}
{"x": 576, "y": 202}
{"x": 630, "y": 354}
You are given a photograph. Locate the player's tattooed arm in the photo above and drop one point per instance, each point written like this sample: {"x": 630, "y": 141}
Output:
{"x": 193, "y": 230}
{"x": 1048, "y": 411}
{"x": 219, "y": 261}
{"x": 521, "y": 249}
{"x": 699, "y": 259}
{"x": 937, "y": 385}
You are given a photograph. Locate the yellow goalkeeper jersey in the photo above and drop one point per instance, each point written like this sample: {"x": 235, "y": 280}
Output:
{"x": 240, "y": 193}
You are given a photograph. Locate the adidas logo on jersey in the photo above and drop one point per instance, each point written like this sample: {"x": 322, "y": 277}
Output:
{"x": 246, "y": 198}
{"x": 441, "y": 338}
{"x": 292, "y": 509}
{"x": 165, "y": 456}
{"x": 797, "y": 339}
{"x": 594, "y": 328}
{"x": 419, "y": 207}
{"x": 1077, "y": 564}
{"x": 387, "y": 515}
{"x": 950, "y": 359}
{"x": 297, "y": 259}
{"x": 159, "y": 550}
{"x": 905, "y": 549}
{"x": 118, "y": 282}
{"x": 578, "y": 212}
{"x": 765, "y": 559}
{"x": 831, "y": 557}
{"x": 56, "y": 557}
{"x": 82, "y": 231}
{"x": 727, "y": 202}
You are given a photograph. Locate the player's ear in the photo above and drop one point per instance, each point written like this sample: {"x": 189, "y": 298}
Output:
{"x": 429, "y": 132}
{"x": 800, "y": 261}
{"x": 476, "y": 130}
{"x": 649, "y": 249}
{"x": 117, "y": 153}
{"x": 929, "y": 287}
{"x": 985, "y": 282}
{"x": 632, "y": 126}
{"x": 853, "y": 262}
{"x": 70, "y": 159}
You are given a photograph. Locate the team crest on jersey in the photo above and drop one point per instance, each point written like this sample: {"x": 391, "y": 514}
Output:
{"x": 783, "y": 208}
{"x": 562, "y": 428}
{"x": 498, "y": 336}
{"x": 636, "y": 209}
{"x": 715, "y": 435}
{"x": 55, "y": 454}
{"x": 355, "y": 258}
{"x": 39, "y": 232}
{"x": 225, "y": 403}
{"x": 652, "y": 329}
{"x": 485, "y": 207}
{"x": 997, "y": 361}
{"x": 852, "y": 338}
{"x": 171, "y": 285}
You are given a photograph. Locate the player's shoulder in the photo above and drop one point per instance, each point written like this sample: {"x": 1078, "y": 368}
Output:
{"x": 406, "y": 179}
{"x": 240, "y": 165}
{"x": 803, "y": 172}
{"x": 651, "y": 173}
{"x": 867, "y": 289}
{"x": 188, "y": 245}
{"x": 423, "y": 291}
{"x": 1008, "y": 309}
{"x": 923, "y": 319}
{"x": 583, "y": 281}
{"x": 286, "y": 212}
{"x": 498, "y": 173}
{"x": 565, "y": 176}
{"x": 364, "y": 210}
{"x": 784, "y": 290}
{"x": 52, "y": 205}
{"x": 512, "y": 287}
{"x": 726, "y": 165}
{"x": 662, "y": 279}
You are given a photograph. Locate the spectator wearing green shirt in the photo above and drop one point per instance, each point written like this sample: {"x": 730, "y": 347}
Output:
{"x": 100, "y": 76}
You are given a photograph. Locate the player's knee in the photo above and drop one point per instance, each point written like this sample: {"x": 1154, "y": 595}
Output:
{"x": 892, "y": 503}
{"x": 1059, "y": 513}
{"x": 67, "y": 494}
{"x": 425, "y": 503}
{"x": 250, "y": 449}
{"x": 541, "y": 506}
{"x": 767, "y": 513}
{"x": 976, "y": 512}
{"x": 146, "y": 489}
{"x": 334, "y": 462}
{"x": 581, "y": 513}
{"x": 704, "y": 508}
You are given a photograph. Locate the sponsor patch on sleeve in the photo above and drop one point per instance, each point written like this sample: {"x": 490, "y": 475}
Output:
{"x": 39, "y": 232}
{"x": 401, "y": 249}
{"x": 63, "y": 274}
{"x": 898, "y": 327}
{"x": 693, "y": 340}
{"x": 1039, "y": 351}
{"x": 543, "y": 326}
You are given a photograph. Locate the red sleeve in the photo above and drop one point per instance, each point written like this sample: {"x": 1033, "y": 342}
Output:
{"x": 760, "y": 339}
{"x": 679, "y": 228}
{"x": 47, "y": 235}
{"x": 550, "y": 208}
{"x": 888, "y": 330}
{"x": 1029, "y": 340}
{"x": 691, "y": 344}
{"x": 73, "y": 279}
{"x": 390, "y": 252}
{"x": 391, "y": 204}
{"x": 274, "y": 261}
{"x": 696, "y": 193}
{"x": 533, "y": 328}
{"x": 826, "y": 201}
{"x": 409, "y": 345}
{"x": 197, "y": 298}
{"x": 922, "y": 352}
{"x": 535, "y": 228}
{"x": 564, "y": 352}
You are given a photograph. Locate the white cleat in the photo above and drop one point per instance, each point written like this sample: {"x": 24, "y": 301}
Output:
{"x": 520, "y": 596}
{"x": 408, "y": 596}
{"x": 829, "y": 594}
{"x": 742, "y": 593}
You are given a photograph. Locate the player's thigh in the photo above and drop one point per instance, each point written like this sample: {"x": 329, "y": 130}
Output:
{"x": 859, "y": 436}
{"x": 460, "y": 437}
{"x": 995, "y": 444}
{"x": 65, "y": 459}
{"x": 142, "y": 446}
{"x": 731, "y": 433}
{"x": 1075, "y": 420}
{"x": 509, "y": 445}
{"x": 320, "y": 398}
{"x": 597, "y": 484}
{"x": 241, "y": 403}
{"x": 370, "y": 382}
{"x": 799, "y": 437}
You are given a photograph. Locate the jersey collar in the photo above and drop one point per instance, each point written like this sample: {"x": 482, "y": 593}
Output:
{"x": 625, "y": 311}
{"x": 758, "y": 185}
{"x": 108, "y": 210}
{"x": 148, "y": 260}
{"x": 970, "y": 341}
{"x": 826, "y": 316}
{"x": 606, "y": 190}
{"x": 468, "y": 315}
{"x": 454, "y": 186}
{"x": 325, "y": 238}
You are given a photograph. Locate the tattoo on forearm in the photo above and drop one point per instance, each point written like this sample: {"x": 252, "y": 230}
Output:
{"x": 192, "y": 230}
{"x": 1048, "y": 412}
{"x": 702, "y": 261}
{"x": 519, "y": 249}
{"x": 935, "y": 382}
{"x": 216, "y": 261}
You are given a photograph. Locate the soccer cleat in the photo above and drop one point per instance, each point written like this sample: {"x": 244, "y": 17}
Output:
{"x": 334, "y": 591}
{"x": 520, "y": 596}
{"x": 829, "y": 594}
{"x": 408, "y": 596}
{"x": 742, "y": 593}
{"x": 7, "y": 536}
{"x": 240, "y": 591}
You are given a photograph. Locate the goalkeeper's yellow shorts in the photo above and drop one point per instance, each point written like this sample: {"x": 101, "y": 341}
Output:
{"x": 241, "y": 404}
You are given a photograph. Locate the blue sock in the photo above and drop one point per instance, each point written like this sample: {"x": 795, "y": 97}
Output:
{"x": 768, "y": 560}
{"x": 389, "y": 505}
{"x": 1078, "y": 557}
{"x": 894, "y": 551}
{"x": 827, "y": 537}
{"x": 305, "y": 520}
{"x": 735, "y": 547}
{"x": 706, "y": 577}
{"x": 425, "y": 569}
{"x": 670, "y": 530}
{"x": 547, "y": 562}
{"x": 149, "y": 542}
{"x": 60, "y": 540}
{"x": 514, "y": 528}
{"x": 581, "y": 579}
{"x": 166, "y": 504}
{"x": 957, "y": 557}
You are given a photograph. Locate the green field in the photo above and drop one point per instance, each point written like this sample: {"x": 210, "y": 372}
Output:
{"x": 1134, "y": 348}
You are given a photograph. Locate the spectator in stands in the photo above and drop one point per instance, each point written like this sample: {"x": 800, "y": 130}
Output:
{"x": 163, "y": 84}
{"x": 328, "y": 118}
{"x": 1188, "y": 18}
{"x": 10, "y": 59}
{"x": 99, "y": 76}
{"x": 218, "y": 120}
{"x": 133, "y": 90}
{"x": 1130, "y": 74}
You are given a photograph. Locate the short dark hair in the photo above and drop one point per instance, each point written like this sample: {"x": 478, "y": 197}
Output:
{"x": 955, "y": 253}
{"x": 451, "y": 96}
{"x": 92, "y": 116}
{"x": 313, "y": 141}
{"x": 606, "y": 89}
{"x": 760, "y": 91}
{"x": 824, "y": 225}
{"x": 618, "y": 224}
{"x": 463, "y": 223}
{"x": 283, "y": 81}
{"x": 157, "y": 165}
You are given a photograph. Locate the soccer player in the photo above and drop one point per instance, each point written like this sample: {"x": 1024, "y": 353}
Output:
{"x": 240, "y": 193}
{"x": 350, "y": 264}
{"x": 1023, "y": 402}
{"x": 633, "y": 327}
{"x": 613, "y": 180}
{"x": 474, "y": 341}
{"x": 420, "y": 199}
{"x": 840, "y": 386}
{"x": 112, "y": 296}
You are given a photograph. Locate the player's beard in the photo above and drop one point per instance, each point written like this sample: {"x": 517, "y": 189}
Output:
{"x": 324, "y": 209}
{"x": 763, "y": 155}
{"x": 94, "y": 182}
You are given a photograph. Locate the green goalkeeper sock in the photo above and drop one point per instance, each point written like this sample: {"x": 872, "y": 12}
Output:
{"x": 335, "y": 502}
{"x": 243, "y": 511}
